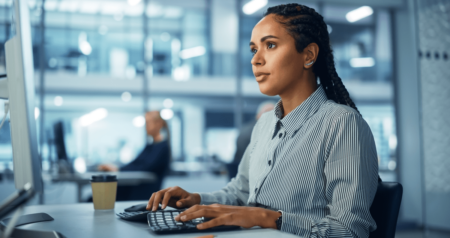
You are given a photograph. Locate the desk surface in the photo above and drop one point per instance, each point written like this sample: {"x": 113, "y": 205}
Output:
{"x": 124, "y": 178}
{"x": 81, "y": 220}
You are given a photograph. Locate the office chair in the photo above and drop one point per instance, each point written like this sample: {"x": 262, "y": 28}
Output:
{"x": 384, "y": 209}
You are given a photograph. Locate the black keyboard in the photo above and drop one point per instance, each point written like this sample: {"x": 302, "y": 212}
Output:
{"x": 134, "y": 216}
{"x": 163, "y": 222}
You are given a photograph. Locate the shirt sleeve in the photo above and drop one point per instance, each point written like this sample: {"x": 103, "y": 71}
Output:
{"x": 351, "y": 171}
{"x": 236, "y": 192}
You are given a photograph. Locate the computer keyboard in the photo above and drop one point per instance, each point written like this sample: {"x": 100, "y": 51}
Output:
{"x": 137, "y": 212}
{"x": 134, "y": 216}
{"x": 163, "y": 222}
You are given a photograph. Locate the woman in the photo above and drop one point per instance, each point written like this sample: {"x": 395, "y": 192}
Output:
{"x": 311, "y": 166}
{"x": 154, "y": 158}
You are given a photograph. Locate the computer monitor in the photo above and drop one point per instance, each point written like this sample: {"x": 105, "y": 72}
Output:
{"x": 20, "y": 93}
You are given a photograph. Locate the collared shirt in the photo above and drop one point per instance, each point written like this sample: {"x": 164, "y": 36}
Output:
{"x": 317, "y": 165}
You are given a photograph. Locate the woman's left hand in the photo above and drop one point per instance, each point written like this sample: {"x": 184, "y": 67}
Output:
{"x": 246, "y": 217}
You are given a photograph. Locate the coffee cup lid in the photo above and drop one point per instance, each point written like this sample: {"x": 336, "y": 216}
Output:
{"x": 104, "y": 178}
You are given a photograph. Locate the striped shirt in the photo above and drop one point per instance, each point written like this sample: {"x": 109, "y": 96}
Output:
{"x": 317, "y": 165}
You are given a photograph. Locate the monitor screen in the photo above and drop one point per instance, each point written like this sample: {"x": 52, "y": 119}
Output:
{"x": 20, "y": 83}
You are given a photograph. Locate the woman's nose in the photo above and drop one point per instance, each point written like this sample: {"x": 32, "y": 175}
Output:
{"x": 257, "y": 59}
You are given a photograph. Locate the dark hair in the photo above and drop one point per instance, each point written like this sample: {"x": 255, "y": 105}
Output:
{"x": 307, "y": 26}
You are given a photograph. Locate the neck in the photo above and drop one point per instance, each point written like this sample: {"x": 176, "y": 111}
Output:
{"x": 157, "y": 138}
{"x": 296, "y": 94}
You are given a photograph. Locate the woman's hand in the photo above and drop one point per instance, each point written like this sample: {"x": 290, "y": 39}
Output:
{"x": 174, "y": 197}
{"x": 108, "y": 167}
{"x": 246, "y": 217}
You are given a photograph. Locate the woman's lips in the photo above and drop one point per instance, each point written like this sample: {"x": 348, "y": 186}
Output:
{"x": 261, "y": 76}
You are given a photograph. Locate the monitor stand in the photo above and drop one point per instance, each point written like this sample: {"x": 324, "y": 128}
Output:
{"x": 28, "y": 219}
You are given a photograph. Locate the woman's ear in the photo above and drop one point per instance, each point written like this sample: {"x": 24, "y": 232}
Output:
{"x": 311, "y": 53}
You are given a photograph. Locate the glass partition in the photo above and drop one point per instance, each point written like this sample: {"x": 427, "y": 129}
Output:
{"x": 181, "y": 57}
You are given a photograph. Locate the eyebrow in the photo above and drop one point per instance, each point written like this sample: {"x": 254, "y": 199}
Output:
{"x": 264, "y": 39}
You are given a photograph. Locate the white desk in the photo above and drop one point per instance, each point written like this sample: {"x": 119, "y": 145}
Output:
{"x": 124, "y": 178}
{"x": 81, "y": 220}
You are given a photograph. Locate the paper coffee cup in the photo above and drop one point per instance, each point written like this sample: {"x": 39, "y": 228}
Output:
{"x": 104, "y": 189}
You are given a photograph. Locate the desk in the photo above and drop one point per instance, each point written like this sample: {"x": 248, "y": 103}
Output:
{"x": 124, "y": 178}
{"x": 80, "y": 220}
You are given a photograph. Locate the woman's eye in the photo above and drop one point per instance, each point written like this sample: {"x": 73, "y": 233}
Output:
{"x": 253, "y": 51}
{"x": 270, "y": 46}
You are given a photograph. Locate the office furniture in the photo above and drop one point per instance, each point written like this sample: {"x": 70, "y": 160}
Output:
{"x": 384, "y": 209}
{"x": 124, "y": 178}
{"x": 81, "y": 220}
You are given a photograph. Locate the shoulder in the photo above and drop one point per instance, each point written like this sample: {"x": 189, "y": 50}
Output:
{"x": 266, "y": 118}
{"x": 340, "y": 118}
{"x": 160, "y": 146}
{"x": 334, "y": 112}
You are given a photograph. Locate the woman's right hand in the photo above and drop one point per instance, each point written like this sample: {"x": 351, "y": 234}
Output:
{"x": 174, "y": 197}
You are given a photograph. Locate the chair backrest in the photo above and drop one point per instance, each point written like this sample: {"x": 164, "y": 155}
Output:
{"x": 385, "y": 209}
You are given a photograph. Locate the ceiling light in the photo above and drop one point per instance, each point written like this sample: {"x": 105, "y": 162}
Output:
{"x": 362, "y": 62}
{"x": 58, "y": 101}
{"x": 93, "y": 116}
{"x": 133, "y": 2}
{"x": 359, "y": 13}
{"x": 166, "y": 114}
{"x": 253, "y": 6}
{"x": 192, "y": 52}
{"x": 139, "y": 121}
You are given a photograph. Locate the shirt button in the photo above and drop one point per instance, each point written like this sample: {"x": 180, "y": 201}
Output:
{"x": 280, "y": 135}
{"x": 270, "y": 161}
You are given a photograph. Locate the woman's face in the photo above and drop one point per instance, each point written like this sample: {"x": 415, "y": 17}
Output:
{"x": 276, "y": 64}
{"x": 153, "y": 123}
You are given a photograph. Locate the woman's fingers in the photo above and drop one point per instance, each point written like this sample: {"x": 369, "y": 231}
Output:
{"x": 171, "y": 194}
{"x": 196, "y": 212}
{"x": 172, "y": 202}
{"x": 197, "y": 207}
{"x": 150, "y": 202}
{"x": 219, "y": 221}
{"x": 183, "y": 203}
{"x": 155, "y": 199}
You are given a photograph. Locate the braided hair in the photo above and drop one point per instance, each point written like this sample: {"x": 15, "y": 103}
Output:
{"x": 307, "y": 26}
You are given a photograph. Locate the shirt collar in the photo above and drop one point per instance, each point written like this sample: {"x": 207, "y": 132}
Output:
{"x": 295, "y": 119}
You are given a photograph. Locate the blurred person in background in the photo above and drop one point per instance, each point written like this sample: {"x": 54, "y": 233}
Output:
{"x": 311, "y": 167}
{"x": 154, "y": 158}
{"x": 244, "y": 137}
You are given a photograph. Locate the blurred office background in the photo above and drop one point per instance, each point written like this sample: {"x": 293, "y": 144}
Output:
{"x": 190, "y": 59}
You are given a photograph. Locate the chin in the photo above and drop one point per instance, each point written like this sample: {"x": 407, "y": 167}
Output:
{"x": 267, "y": 89}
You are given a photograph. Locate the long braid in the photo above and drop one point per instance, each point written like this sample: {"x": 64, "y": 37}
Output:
{"x": 306, "y": 26}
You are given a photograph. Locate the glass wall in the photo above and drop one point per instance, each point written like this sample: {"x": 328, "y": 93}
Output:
{"x": 127, "y": 57}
